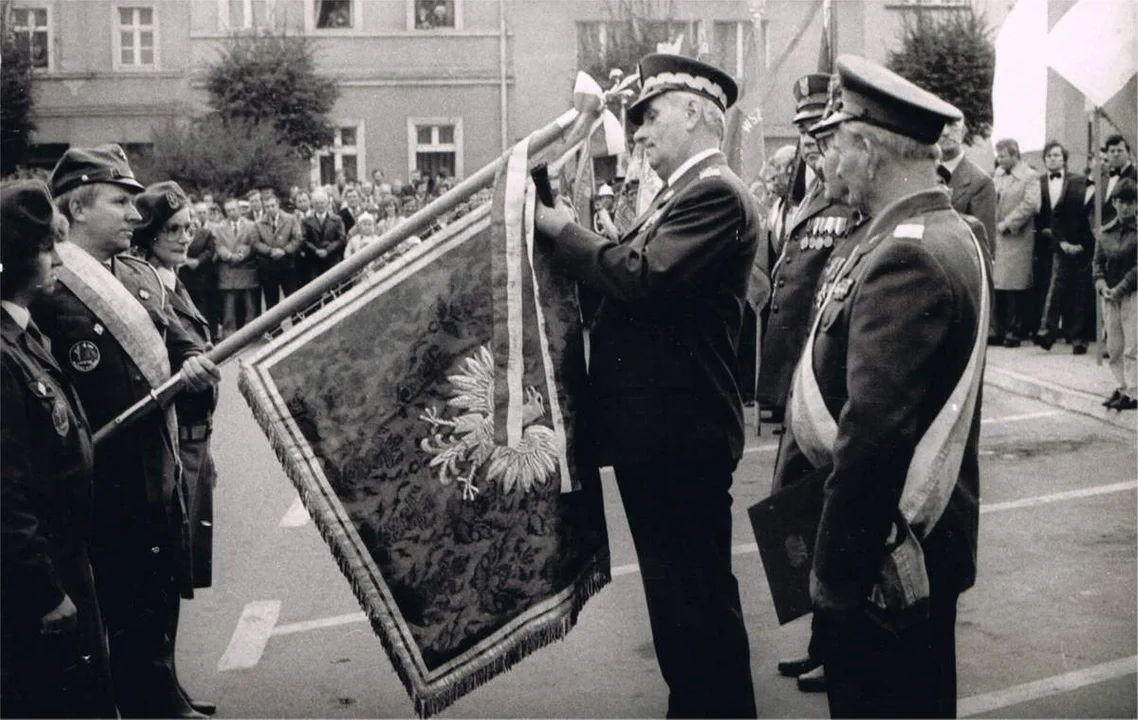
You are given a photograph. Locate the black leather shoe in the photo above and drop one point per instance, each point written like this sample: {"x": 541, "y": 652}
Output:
{"x": 1043, "y": 339}
{"x": 1125, "y": 403}
{"x": 995, "y": 340}
{"x": 1079, "y": 349}
{"x": 813, "y": 681}
{"x": 1110, "y": 401}
{"x": 203, "y": 706}
{"x": 796, "y": 667}
{"x": 1011, "y": 341}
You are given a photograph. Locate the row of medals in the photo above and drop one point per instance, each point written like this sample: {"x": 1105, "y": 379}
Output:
{"x": 821, "y": 232}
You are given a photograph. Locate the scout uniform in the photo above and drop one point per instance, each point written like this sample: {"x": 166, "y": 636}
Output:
{"x": 46, "y": 472}
{"x": 885, "y": 410}
{"x": 114, "y": 336}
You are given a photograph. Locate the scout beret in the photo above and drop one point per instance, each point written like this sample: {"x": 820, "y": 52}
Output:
{"x": 84, "y": 166}
{"x": 157, "y": 204}
{"x": 810, "y": 95}
{"x": 661, "y": 73}
{"x": 26, "y": 212}
{"x": 877, "y": 96}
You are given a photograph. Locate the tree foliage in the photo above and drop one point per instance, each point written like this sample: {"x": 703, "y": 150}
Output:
{"x": 631, "y": 31}
{"x": 225, "y": 156}
{"x": 17, "y": 99}
{"x": 271, "y": 78}
{"x": 950, "y": 54}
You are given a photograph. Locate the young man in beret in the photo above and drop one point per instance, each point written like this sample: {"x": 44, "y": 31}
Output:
{"x": 665, "y": 402}
{"x": 112, "y": 332}
{"x": 884, "y": 412}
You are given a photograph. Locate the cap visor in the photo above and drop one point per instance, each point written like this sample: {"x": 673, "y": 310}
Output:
{"x": 637, "y": 109}
{"x": 828, "y": 125}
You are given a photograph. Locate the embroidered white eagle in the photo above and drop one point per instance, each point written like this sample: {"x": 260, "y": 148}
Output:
{"x": 462, "y": 446}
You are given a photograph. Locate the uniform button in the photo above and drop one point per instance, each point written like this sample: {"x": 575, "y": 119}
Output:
{"x": 786, "y": 260}
{"x": 774, "y": 307}
{"x": 781, "y": 282}
{"x": 155, "y": 549}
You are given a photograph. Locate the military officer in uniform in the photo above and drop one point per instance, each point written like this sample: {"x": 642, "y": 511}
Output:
{"x": 811, "y": 233}
{"x": 664, "y": 392}
{"x": 113, "y": 334}
{"x": 884, "y": 413}
{"x": 53, "y": 645}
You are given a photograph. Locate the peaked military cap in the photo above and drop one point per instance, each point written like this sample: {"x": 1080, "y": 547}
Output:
{"x": 810, "y": 95}
{"x": 84, "y": 166}
{"x": 878, "y": 96}
{"x": 157, "y": 204}
{"x": 661, "y": 73}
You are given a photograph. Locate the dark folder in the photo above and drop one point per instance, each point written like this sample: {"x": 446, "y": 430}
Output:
{"x": 785, "y": 526}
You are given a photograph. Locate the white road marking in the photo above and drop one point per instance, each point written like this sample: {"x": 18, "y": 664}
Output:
{"x": 1024, "y": 416}
{"x": 320, "y": 623}
{"x": 297, "y": 515}
{"x": 760, "y": 448}
{"x": 978, "y": 704}
{"x": 1059, "y": 497}
{"x": 747, "y": 548}
{"x": 252, "y": 633}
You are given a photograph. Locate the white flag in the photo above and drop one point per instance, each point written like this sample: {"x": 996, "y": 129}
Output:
{"x": 1095, "y": 47}
{"x": 1019, "y": 89}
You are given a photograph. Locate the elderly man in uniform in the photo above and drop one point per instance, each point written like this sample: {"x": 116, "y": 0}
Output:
{"x": 665, "y": 402}
{"x": 812, "y": 229}
{"x": 884, "y": 414}
{"x": 113, "y": 333}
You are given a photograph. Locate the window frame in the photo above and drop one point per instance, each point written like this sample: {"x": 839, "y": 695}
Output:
{"x": 310, "y": 20}
{"x": 30, "y": 8}
{"x": 116, "y": 44}
{"x": 336, "y": 151}
{"x": 223, "y": 8}
{"x": 457, "y": 147}
{"x": 458, "y": 19}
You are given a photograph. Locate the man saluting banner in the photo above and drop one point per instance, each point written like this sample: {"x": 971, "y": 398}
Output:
{"x": 427, "y": 419}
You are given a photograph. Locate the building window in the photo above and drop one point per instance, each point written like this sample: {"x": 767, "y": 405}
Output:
{"x": 136, "y": 40}
{"x": 31, "y": 31}
{"x": 333, "y": 14}
{"x": 435, "y": 146}
{"x": 434, "y": 14}
{"x": 730, "y": 44}
{"x": 345, "y": 155}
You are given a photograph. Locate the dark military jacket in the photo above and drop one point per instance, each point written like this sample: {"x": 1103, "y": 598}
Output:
{"x": 810, "y": 240}
{"x": 139, "y": 501}
{"x": 664, "y": 345}
{"x": 891, "y": 346}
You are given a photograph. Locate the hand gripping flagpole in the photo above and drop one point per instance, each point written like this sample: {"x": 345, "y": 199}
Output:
{"x": 573, "y": 125}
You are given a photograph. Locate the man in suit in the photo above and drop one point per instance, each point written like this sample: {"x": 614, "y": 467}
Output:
{"x": 898, "y": 342}
{"x": 237, "y": 280}
{"x": 1063, "y": 222}
{"x": 114, "y": 335}
{"x": 351, "y": 209}
{"x": 324, "y": 237}
{"x": 1018, "y": 200}
{"x": 1118, "y": 166}
{"x": 973, "y": 192}
{"x": 276, "y": 241}
{"x": 664, "y": 398}
{"x": 811, "y": 232}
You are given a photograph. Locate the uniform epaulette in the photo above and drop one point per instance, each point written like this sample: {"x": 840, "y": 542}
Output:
{"x": 911, "y": 231}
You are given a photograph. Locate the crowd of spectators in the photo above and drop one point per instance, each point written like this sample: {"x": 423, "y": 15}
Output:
{"x": 252, "y": 250}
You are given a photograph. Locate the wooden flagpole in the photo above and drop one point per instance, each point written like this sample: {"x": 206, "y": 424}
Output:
{"x": 539, "y": 140}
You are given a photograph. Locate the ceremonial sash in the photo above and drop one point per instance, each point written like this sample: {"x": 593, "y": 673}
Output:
{"x": 122, "y": 315}
{"x": 934, "y": 468}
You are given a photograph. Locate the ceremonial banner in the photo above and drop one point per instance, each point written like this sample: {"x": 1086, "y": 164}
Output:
{"x": 427, "y": 418}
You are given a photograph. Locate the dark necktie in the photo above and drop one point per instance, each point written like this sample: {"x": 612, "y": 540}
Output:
{"x": 35, "y": 334}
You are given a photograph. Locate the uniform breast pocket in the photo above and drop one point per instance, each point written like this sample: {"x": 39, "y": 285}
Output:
{"x": 832, "y": 317}
{"x": 52, "y": 404}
